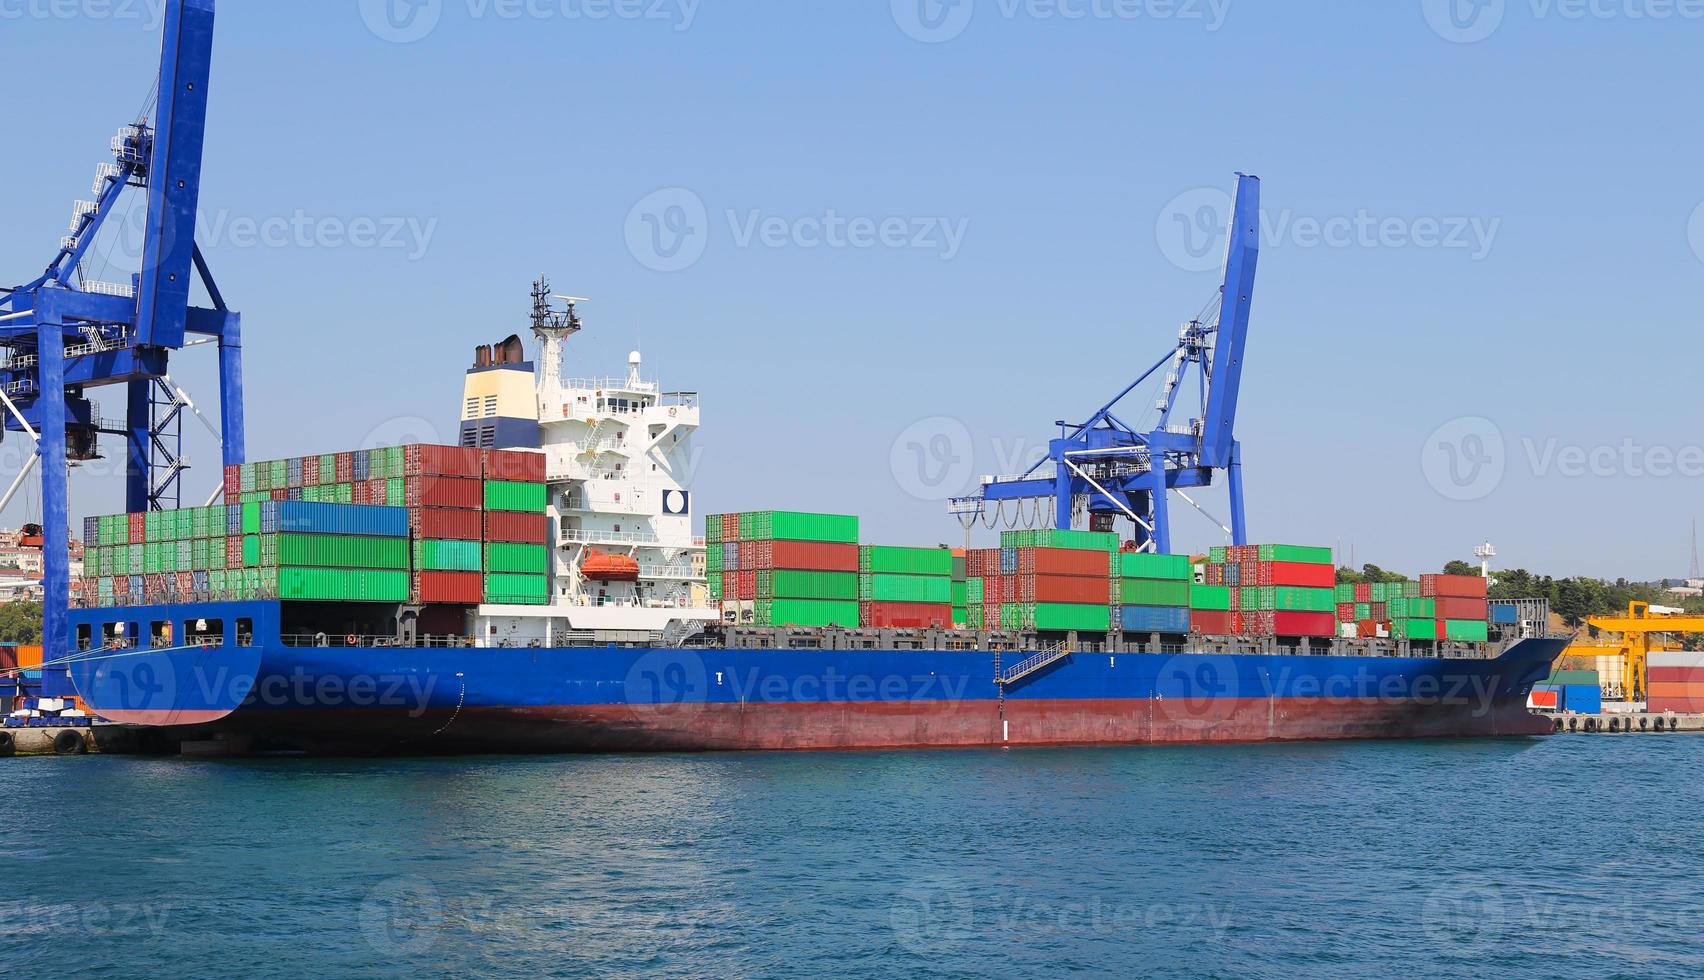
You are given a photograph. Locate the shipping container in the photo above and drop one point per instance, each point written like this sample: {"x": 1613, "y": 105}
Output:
{"x": 511, "y": 495}
{"x": 1585, "y": 699}
{"x": 320, "y": 518}
{"x": 448, "y": 523}
{"x": 1303, "y": 554}
{"x": 457, "y": 588}
{"x": 444, "y": 491}
{"x": 502, "y": 588}
{"x": 1141, "y": 564}
{"x": 905, "y": 588}
{"x": 1216, "y": 598}
{"x": 447, "y": 555}
{"x": 334, "y": 551}
{"x": 806, "y": 612}
{"x": 1150, "y": 592}
{"x": 1466, "y": 630}
{"x": 1300, "y": 575}
{"x": 517, "y": 528}
{"x": 797, "y": 584}
{"x": 1460, "y": 586}
{"x": 1063, "y": 561}
{"x": 346, "y": 584}
{"x": 1452, "y": 607}
{"x": 526, "y": 559}
{"x": 905, "y": 615}
{"x": 1054, "y": 538}
{"x": 1065, "y": 588}
{"x": 1414, "y": 629}
{"x": 1062, "y": 616}
{"x": 514, "y": 465}
{"x": 781, "y": 525}
{"x": 1155, "y": 619}
{"x": 904, "y": 560}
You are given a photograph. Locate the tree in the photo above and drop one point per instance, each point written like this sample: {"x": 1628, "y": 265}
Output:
{"x": 20, "y": 622}
{"x": 1458, "y": 567}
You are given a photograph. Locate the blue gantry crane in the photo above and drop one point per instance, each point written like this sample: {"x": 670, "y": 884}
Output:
{"x": 63, "y": 334}
{"x": 1110, "y": 469}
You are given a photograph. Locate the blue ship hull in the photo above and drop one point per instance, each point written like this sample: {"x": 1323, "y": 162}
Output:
{"x": 337, "y": 699}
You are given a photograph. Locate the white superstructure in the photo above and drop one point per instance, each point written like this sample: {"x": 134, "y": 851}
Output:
{"x": 619, "y": 455}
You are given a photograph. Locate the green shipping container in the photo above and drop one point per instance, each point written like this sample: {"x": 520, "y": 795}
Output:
{"x": 1364, "y": 610}
{"x": 1140, "y": 564}
{"x": 349, "y": 584}
{"x": 514, "y": 496}
{"x": 1404, "y": 607}
{"x": 806, "y": 612}
{"x": 1295, "y": 552}
{"x": 788, "y": 525}
{"x": 251, "y": 550}
{"x": 333, "y": 551}
{"x": 792, "y": 584}
{"x": 712, "y": 555}
{"x": 1414, "y": 629}
{"x": 713, "y": 529}
{"x": 961, "y": 593}
{"x": 505, "y": 588}
{"x": 961, "y": 617}
{"x": 1067, "y": 616}
{"x": 524, "y": 559}
{"x": 746, "y": 523}
{"x": 1210, "y": 597}
{"x": 1153, "y": 592}
{"x": 1054, "y": 538}
{"x": 395, "y": 494}
{"x": 1216, "y": 554}
{"x": 973, "y": 592}
{"x": 715, "y": 586}
{"x": 905, "y": 588}
{"x": 1289, "y": 598}
{"x": 1346, "y": 592}
{"x": 251, "y": 518}
{"x": 905, "y": 561}
{"x": 1466, "y": 630}
{"x": 1012, "y": 616}
{"x": 973, "y": 618}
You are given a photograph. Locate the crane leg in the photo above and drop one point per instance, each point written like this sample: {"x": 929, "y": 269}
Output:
{"x": 55, "y": 514}
{"x": 1239, "y": 525}
{"x": 231, "y": 392}
{"x": 138, "y": 423}
{"x": 1162, "y": 519}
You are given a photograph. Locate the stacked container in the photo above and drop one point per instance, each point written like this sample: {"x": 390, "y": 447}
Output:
{"x": 1061, "y": 580}
{"x": 1676, "y": 681}
{"x": 784, "y": 568}
{"x": 1438, "y": 607}
{"x": 902, "y": 587}
{"x": 1151, "y": 592}
{"x": 1267, "y": 590}
{"x": 516, "y": 528}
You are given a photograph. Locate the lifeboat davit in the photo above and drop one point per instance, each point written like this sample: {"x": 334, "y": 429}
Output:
{"x": 605, "y": 567}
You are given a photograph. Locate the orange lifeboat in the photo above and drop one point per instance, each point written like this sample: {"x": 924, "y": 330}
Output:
{"x": 605, "y": 567}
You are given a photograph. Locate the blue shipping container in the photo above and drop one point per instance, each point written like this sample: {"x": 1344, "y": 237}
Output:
{"x": 303, "y": 516}
{"x": 1154, "y": 619}
{"x": 1583, "y": 699}
{"x": 1504, "y": 614}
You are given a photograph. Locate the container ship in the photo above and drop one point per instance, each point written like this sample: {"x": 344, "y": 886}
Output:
{"x": 541, "y": 587}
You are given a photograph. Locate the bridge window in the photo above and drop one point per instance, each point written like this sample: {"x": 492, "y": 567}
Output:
{"x": 204, "y": 632}
{"x": 118, "y": 635}
{"x": 160, "y": 633}
{"x": 85, "y": 635}
{"x": 245, "y": 632}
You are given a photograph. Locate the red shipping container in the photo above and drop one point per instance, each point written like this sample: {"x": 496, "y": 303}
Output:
{"x": 1063, "y": 561}
{"x": 1063, "y": 588}
{"x": 1303, "y": 624}
{"x": 1301, "y": 574}
{"x": 905, "y": 615}
{"x": 1543, "y": 699}
{"x": 1345, "y": 612}
{"x": 517, "y": 528}
{"x": 281, "y": 494}
{"x": 138, "y": 528}
{"x": 234, "y": 551}
{"x": 1367, "y": 629}
{"x": 803, "y": 555}
{"x": 345, "y": 463}
{"x": 233, "y": 482}
{"x": 1454, "y": 607}
{"x": 462, "y": 588}
{"x": 421, "y": 459}
{"x": 360, "y": 493}
{"x": 1212, "y": 622}
{"x": 444, "y": 491}
{"x": 1363, "y": 592}
{"x": 446, "y": 523}
{"x": 1379, "y": 611}
{"x": 1677, "y": 675}
{"x": 1008, "y": 588}
{"x": 310, "y": 471}
{"x": 746, "y": 585}
{"x": 514, "y": 465}
{"x": 1461, "y": 586}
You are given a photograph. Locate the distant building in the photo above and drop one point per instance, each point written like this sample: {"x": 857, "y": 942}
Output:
{"x": 21, "y": 567}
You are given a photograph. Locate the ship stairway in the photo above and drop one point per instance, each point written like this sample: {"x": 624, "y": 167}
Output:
{"x": 680, "y": 630}
{"x": 1030, "y": 665}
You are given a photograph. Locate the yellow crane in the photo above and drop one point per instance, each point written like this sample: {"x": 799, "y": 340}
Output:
{"x": 1641, "y": 631}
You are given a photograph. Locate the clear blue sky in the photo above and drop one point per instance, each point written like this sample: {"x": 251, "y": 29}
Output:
{"x": 1056, "y": 147}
